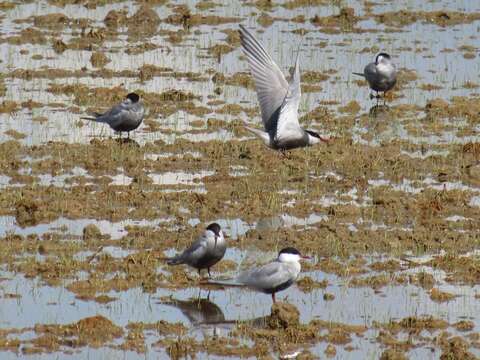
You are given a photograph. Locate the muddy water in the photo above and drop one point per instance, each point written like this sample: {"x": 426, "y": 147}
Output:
{"x": 389, "y": 209}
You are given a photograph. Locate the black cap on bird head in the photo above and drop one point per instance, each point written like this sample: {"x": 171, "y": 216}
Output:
{"x": 133, "y": 97}
{"x": 215, "y": 228}
{"x": 289, "y": 250}
{"x": 381, "y": 55}
{"x": 292, "y": 251}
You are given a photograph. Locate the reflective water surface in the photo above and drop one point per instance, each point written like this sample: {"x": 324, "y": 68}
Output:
{"x": 388, "y": 210}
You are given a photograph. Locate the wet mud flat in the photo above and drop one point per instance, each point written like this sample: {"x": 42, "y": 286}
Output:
{"x": 389, "y": 208}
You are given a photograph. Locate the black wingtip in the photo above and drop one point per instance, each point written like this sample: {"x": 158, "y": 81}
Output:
{"x": 243, "y": 32}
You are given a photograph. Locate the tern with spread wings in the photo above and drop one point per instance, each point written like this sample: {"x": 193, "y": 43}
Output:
{"x": 278, "y": 99}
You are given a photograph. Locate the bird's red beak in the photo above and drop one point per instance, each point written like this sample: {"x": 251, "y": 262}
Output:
{"x": 325, "y": 140}
{"x": 304, "y": 257}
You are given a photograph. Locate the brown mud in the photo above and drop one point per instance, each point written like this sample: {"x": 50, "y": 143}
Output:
{"x": 364, "y": 183}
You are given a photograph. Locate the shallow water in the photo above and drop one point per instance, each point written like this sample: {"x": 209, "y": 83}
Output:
{"x": 86, "y": 220}
{"x": 351, "y": 305}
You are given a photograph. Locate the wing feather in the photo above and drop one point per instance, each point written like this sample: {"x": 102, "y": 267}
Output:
{"x": 195, "y": 251}
{"x": 270, "y": 82}
{"x": 115, "y": 115}
{"x": 266, "y": 277}
{"x": 288, "y": 126}
{"x": 198, "y": 249}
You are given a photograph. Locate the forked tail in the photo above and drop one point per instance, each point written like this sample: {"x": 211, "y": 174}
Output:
{"x": 261, "y": 134}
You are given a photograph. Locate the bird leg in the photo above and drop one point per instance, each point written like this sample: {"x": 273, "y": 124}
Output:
{"x": 119, "y": 139}
{"x": 273, "y": 298}
{"x": 376, "y": 96}
{"x": 202, "y": 279}
{"x": 209, "y": 275}
{"x": 384, "y": 98}
{"x": 285, "y": 154}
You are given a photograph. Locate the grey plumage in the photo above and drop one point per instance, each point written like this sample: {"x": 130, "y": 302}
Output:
{"x": 126, "y": 116}
{"x": 381, "y": 75}
{"x": 278, "y": 99}
{"x": 271, "y": 277}
{"x": 205, "y": 252}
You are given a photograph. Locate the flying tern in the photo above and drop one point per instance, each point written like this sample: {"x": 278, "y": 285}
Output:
{"x": 278, "y": 99}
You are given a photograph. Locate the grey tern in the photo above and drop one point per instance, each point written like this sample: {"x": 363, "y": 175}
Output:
{"x": 278, "y": 99}
{"x": 381, "y": 75}
{"x": 272, "y": 277}
{"x": 205, "y": 252}
{"x": 126, "y": 116}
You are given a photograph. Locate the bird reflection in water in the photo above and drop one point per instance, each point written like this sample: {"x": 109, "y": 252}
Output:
{"x": 378, "y": 110}
{"x": 197, "y": 310}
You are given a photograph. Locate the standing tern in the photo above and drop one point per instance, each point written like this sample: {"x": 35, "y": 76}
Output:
{"x": 273, "y": 277}
{"x": 278, "y": 99}
{"x": 205, "y": 252}
{"x": 381, "y": 75}
{"x": 126, "y": 116}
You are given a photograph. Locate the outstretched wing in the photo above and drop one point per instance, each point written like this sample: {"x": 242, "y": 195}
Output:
{"x": 287, "y": 123}
{"x": 270, "y": 82}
